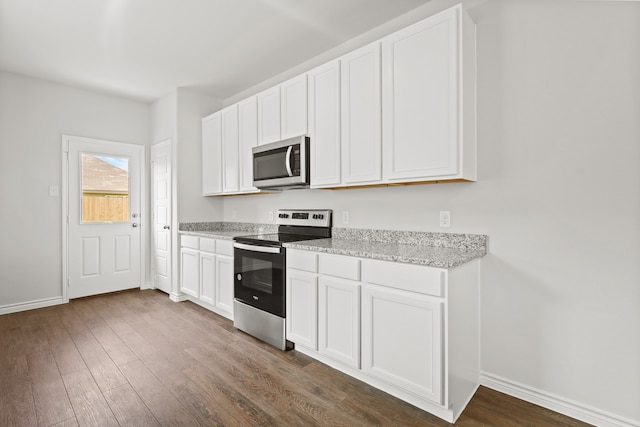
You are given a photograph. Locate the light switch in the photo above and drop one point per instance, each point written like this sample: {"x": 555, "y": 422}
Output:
{"x": 53, "y": 191}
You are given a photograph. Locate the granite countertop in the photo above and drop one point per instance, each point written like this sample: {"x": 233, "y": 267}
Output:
{"x": 224, "y": 230}
{"x": 432, "y": 256}
{"x": 442, "y": 250}
{"x": 215, "y": 234}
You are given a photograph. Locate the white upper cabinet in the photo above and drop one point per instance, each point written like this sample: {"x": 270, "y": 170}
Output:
{"x": 269, "y": 115}
{"x": 248, "y": 138}
{"x": 361, "y": 117}
{"x": 324, "y": 124}
{"x": 230, "y": 149}
{"x": 282, "y": 111}
{"x": 425, "y": 127}
{"x": 212, "y": 154}
{"x": 397, "y": 111}
{"x": 293, "y": 107}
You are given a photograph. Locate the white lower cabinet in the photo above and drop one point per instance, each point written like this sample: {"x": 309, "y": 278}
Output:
{"x": 208, "y": 276}
{"x": 190, "y": 271}
{"x": 402, "y": 340}
{"x": 224, "y": 284}
{"x": 206, "y": 273}
{"x": 339, "y": 320}
{"x": 409, "y": 330}
{"x": 302, "y": 308}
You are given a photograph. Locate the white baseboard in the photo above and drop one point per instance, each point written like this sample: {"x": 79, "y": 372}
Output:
{"x": 556, "y": 403}
{"x": 24, "y": 306}
{"x": 147, "y": 285}
{"x": 178, "y": 297}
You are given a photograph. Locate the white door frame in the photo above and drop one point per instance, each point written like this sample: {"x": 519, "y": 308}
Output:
{"x": 65, "y": 211}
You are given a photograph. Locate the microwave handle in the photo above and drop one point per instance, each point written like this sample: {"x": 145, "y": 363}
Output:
{"x": 287, "y": 162}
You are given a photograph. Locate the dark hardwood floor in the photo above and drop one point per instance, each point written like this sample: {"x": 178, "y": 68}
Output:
{"x": 138, "y": 359}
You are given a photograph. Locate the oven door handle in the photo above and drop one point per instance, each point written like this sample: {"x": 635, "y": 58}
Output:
{"x": 254, "y": 248}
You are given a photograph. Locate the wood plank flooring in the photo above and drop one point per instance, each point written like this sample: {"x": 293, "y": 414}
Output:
{"x": 136, "y": 358}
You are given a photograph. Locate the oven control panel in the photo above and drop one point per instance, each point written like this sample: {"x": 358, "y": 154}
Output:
{"x": 307, "y": 217}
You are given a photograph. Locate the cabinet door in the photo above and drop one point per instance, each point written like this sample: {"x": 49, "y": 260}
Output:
{"x": 207, "y": 277}
{"x": 269, "y": 115}
{"x": 212, "y": 154}
{"x": 248, "y": 138}
{"x": 361, "y": 116}
{"x": 190, "y": 272}
{"x": 402, "y": 340}
{"x": 302, "y": 308}
{"x": 420, "y": 93}
{"x": 339, "y": 320}
{"x": 224, "y": 283}
{"x": 230, "y": 149}
{"x": 293, "y": 108}
{"x": 324, "y": 124}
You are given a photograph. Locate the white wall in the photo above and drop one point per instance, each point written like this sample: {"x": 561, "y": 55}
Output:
{"x": 34, "y": 115}
{"x": 192, "y": 207}
{"x": 557, "y": 193}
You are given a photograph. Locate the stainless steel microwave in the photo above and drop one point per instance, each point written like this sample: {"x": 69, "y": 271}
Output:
{"x": 282, "y": 165}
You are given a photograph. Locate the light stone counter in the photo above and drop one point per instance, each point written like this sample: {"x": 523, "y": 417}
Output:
{"x": 224, "y": 230}
{"x": 443, "y": 250}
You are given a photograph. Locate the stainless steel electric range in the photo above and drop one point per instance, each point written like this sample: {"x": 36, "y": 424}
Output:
{"x": 260, "y": 273}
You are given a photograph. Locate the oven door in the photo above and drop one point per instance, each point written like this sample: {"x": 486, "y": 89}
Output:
{"x": 260, "y": 277}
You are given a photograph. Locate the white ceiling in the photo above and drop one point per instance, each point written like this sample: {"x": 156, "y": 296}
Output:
{"x": 143, "y": 49}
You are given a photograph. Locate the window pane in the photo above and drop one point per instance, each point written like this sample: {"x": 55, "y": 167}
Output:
{"x": 105, "y": 188}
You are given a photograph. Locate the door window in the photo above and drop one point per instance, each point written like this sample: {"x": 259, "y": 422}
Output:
{"x": 105, "y": 188}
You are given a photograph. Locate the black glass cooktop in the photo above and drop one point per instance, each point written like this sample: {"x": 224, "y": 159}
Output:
{"x": 276, "y": 238}
{"x": 286, "y": 234}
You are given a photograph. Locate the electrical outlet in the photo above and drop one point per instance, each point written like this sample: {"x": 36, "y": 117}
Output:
{"x": 345, "y": 217}
{"x": 270, "y": 216}
{"x": 445, "y": 219}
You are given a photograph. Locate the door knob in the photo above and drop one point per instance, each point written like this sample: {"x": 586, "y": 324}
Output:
{"x": 166, "y": 227}
{"x": 134, "y": 225}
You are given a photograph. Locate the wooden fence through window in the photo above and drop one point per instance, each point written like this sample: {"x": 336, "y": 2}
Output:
{"x": 101, "y": 207}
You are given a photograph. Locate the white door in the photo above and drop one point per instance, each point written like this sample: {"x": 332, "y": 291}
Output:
{"x": 402, "y": 340}
{"x": 104, "y": 216}
{"x": 324, "y": 124}
{"x": 420, "y": 93}
{"x": 302, "y": 308}
{"x": 339, "y": 319}
{"x": 269, "y": 115}
{"x": 230, "y": 149}
{"x": 247, "y": 139}
{"x": 293, "y": 107}
{"x": 360, "y": 84}
{"x": 161, "y": 215}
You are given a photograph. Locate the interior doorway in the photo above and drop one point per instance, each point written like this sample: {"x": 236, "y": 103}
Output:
{"x": 162, "y": 242}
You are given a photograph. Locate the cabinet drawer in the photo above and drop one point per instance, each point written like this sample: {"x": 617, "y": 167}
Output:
{"x": 415, "y": 278}
{"x": 340, "y": 266}
{"x": 189, "y": 242}
{"x": 302, "y": 260}
{"x": 207, "y": 245}
{"x": 224, "y": 247}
